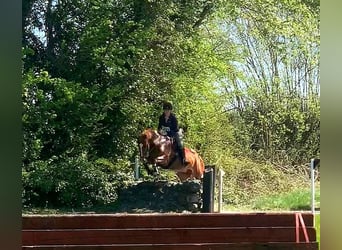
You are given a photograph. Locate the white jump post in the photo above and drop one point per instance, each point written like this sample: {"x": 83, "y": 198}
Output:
{"x": 136, "y": 168}
{"x": 220, "y": 176}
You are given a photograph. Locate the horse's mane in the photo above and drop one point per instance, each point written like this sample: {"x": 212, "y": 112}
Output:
{"x": 149, "y": 133}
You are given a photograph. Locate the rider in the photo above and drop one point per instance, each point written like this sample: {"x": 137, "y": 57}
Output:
{"x": 168, "y": 124}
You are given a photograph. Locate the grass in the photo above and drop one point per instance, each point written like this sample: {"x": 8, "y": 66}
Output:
{"x": 292, "y": 201}
{"x": 318, "y": 227}
{"x": 296, "y": 200}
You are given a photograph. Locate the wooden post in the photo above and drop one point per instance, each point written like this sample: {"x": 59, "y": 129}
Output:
{"x": 208, "y": 189}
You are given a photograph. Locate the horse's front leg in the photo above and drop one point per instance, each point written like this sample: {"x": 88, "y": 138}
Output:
{"x": 148, "y": 169}
{"x": 155, "y": 170}
{"x": 151, "y": 169}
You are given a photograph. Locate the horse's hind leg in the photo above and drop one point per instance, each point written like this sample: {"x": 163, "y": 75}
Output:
{"x": 183, "y": 176}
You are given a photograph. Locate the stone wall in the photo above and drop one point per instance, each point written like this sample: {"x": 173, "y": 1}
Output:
{"x": 161, "y": 196}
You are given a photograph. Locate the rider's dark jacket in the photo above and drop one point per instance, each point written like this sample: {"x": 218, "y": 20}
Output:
{"x": 170, "y": 126}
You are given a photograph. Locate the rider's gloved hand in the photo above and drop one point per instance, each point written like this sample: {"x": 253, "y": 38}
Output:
{"x": 162, "y": 132}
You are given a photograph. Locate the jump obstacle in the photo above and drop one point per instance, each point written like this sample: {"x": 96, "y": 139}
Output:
{"x": 172, "y": 231}
{"x": 218, "y": 231}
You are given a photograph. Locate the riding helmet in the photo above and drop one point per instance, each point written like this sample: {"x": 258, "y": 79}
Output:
{"x": 167, "y": 105}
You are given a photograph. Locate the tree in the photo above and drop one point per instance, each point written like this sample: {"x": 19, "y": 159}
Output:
{"x": 95, "y": 73}
{"x": 274, "y": 87}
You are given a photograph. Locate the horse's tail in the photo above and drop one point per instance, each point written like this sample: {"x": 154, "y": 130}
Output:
{"x": 199, "y": 165}
{"x": 202, "y": 167}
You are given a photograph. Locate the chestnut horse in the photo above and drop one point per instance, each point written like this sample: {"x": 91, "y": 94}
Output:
{"x": 160, "y": 150}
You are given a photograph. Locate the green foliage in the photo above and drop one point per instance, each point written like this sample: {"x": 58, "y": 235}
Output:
{"x": 73, "y": 182}
{"x": 287, "y": 131}
{"x": 243, "y": 77}
{"x": 245, "y": 180}
{"x": 57, "y": 117}
{"x": 60, "y": 131}
{"x": 318, "y": 227}
{"x": 273, "y": 91}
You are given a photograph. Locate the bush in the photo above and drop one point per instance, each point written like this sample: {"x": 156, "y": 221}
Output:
{"x": 246, "y": 180}
{"x": 73, "y": 182}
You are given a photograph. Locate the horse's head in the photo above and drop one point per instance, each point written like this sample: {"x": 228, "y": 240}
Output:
{"x": 146, "y": 142}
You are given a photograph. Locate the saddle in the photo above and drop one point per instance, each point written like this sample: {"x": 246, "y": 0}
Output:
{"x": 165, "y": 139}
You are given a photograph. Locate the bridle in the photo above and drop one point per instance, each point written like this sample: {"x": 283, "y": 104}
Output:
{"x": 145, "y": 154}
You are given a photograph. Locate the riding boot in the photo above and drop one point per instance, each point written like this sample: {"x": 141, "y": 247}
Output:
{"x": 182, "y": 156}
